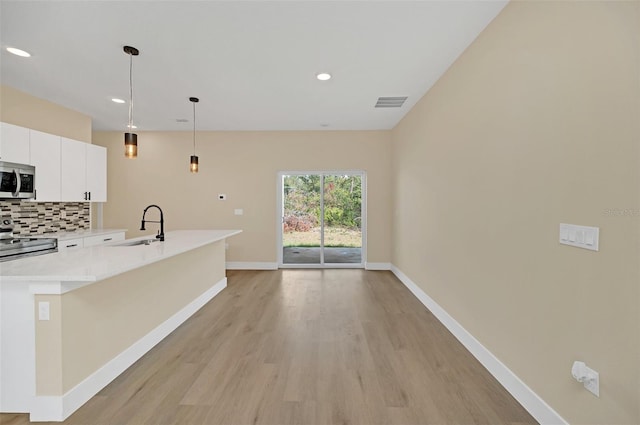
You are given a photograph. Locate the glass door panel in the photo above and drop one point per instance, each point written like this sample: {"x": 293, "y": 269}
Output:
{"x": 301, "y": 224}
{"x": 342, "y": 220}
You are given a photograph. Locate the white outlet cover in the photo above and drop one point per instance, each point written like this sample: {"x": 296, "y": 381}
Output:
{"x": 593, "y": 385}
{"x": 44, "y": 310}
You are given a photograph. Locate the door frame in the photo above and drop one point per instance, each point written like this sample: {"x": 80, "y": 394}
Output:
{"x": 280, "y": 216}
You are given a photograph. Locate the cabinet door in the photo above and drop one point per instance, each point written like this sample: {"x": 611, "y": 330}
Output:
{"x": 97, "y": 173}
{"x": 14, "y": 143}
{"x": 73, "y": 177}
{"x": 45, "y": 155}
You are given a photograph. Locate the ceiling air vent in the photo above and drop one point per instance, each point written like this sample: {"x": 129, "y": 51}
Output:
{"x": 390, "y": 102}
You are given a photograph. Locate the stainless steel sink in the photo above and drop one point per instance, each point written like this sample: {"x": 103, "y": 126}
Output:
{"x": 136, "y": 243}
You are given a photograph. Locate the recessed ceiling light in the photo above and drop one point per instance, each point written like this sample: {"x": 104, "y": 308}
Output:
{"x": 117, "y": 100}
{"x": 18, "y": 52}
{"x": 323, "y": 76}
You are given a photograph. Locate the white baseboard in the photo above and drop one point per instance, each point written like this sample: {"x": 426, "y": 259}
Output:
{"x": 58, "y": 408}
{"x": 377, "y": 266}
{"x": 245, "y": 265}
{"x": 536, "y": 406}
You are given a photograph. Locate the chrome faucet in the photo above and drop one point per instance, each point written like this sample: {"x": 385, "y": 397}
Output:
{"x": 160, "y": 234}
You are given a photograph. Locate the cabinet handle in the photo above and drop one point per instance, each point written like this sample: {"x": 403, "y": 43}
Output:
{"x": 72, "y": 245}
{"x": 18, "y": 182}
{"x": 89, "y": 195}
{"x": 85, "y": 196}
{"x": 108, "y": 239}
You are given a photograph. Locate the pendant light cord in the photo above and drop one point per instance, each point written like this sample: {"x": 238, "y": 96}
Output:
{"x": 194, "y": 128}
{"x": 130, "y": 92}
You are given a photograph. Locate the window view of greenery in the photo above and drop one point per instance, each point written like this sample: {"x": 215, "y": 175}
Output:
{"x": 342, "y": 211}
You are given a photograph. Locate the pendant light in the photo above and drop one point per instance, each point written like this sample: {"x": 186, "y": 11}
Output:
{"x": 130, "y": 139}
{"x": 193, "y": 163}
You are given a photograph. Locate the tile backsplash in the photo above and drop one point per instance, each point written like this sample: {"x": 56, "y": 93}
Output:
{"x": 34, "y": 218}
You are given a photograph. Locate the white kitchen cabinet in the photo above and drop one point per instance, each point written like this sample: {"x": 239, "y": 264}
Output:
{"x": 45, "y": 155}
{"x": 103, "y": 239}
{"x": 83, "y": 171}
{"x": 14, "y": 143}
{"x": 96, "y": 173}
{"x": 66, "y": 170}
{"x": 87, "y": 238}
{"x": 73, "y": 163}
{"x": 69, "y": 244}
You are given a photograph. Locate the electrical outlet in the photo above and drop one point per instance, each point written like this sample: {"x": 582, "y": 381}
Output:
{"x": 593, "y": 385}
{"x": 589, "y": 378}
{"x": 43, "y": 310}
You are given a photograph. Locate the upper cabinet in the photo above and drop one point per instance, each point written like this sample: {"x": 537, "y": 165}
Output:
{"x": 96, "y": 173}
{"x": 73, "y": 173}
{"x": 45, "y": 155}
{"x": 14, "y": 143}
{"x": 66, "y": 170}
{"x": 83, "y": 171}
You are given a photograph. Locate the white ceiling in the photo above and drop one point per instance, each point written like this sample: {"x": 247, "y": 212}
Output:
{"x": 251, "y": 63}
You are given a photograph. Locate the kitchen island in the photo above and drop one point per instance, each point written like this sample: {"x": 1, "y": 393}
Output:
{"x": 73, "y": 321}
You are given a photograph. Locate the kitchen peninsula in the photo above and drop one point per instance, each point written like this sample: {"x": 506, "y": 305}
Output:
{"x": 73, "y": 321}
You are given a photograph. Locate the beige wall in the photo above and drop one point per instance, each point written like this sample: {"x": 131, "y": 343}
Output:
{"x": 244, "y": 166}
{"x": 22, "y": 109}
{"x": 536, "y": 124}
{"x": 92, "y": 325}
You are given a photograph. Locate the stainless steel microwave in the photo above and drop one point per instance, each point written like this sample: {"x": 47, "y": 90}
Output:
{"x": 17, "y": 181}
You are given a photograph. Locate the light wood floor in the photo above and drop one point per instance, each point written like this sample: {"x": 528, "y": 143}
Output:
{"x": 305, "y": 347}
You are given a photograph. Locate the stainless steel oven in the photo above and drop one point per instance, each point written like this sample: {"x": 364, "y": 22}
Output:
{"x": 17, "y": 181}
{"x": 14, "y": 247}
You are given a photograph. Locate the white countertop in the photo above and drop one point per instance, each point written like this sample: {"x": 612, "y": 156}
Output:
{"x": 63, "y": 236}
{"x": 76, "y": 268}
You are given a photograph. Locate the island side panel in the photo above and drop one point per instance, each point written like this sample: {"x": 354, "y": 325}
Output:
{"x": 49, "y": 360}
{"x": 100, "y": 321}
{"x": 17, "y": 348}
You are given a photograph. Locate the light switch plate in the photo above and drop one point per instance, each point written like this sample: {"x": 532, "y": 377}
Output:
{"x": 580, "y": 236}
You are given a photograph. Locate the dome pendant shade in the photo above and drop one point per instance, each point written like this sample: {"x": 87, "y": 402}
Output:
{"x": 193, "y": 166}
{"x": 130, "y": 145}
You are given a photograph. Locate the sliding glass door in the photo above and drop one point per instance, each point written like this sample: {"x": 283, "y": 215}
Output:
{"x": 322, "y": 219}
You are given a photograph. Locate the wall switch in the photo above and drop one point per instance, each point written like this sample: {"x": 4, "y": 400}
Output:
{"x": 580, "y": 236}
{"x": 222, "y": 197}
{"x": 43, "y": 310}
{"x": 238, "y": 211}
{"x": 63, "y": 214}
